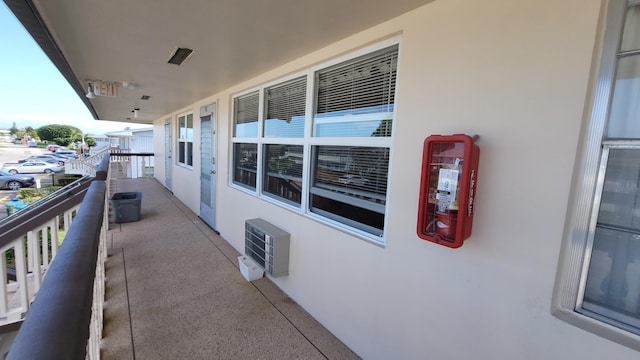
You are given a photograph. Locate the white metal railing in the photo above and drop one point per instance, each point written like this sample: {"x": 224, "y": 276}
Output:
{"x": 124, "y": 163}
{"x": 58, "y": 313}
{"x": 130, "y": 165}
{"x": 30, "y": 256}
{"x": 97, "y": 308}
{"x": 86, "y": 167}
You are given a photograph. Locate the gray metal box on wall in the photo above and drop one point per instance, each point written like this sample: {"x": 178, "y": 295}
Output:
{"x": 268, "y": 245}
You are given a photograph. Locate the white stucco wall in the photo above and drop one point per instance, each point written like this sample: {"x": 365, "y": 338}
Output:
{"x": 517, "y": 74}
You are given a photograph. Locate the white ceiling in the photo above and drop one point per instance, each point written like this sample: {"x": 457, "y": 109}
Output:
{"x": 234, "y": 40}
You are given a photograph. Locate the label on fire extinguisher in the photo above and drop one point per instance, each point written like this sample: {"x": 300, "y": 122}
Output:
{"x": 447, "y": 188}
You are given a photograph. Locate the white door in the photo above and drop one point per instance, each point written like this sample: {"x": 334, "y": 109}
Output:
{"x": 208, "y": 165}
{"x": 167, "y": 154}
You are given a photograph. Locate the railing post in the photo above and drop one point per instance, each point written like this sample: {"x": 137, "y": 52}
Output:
{"x": 33, "y": 254}
{"x": 21, "y": 274}
{"x": 4, "y": 299}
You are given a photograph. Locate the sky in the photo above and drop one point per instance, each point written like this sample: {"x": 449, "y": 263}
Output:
{"x": 33, "y": 92}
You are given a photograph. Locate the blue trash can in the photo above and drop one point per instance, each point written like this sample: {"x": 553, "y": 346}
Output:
{"x": 126, "y": 206}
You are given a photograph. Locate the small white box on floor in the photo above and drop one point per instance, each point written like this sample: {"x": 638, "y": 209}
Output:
{"x": 249, "y": 269}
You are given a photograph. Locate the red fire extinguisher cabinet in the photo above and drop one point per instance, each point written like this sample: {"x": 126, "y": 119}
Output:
{"x": 447, "y": 189}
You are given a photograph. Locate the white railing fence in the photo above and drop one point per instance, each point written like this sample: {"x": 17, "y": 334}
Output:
{"x": 124, "y": 164}
{"x": 52, "y": 283}
{"x": 27, "y": 259}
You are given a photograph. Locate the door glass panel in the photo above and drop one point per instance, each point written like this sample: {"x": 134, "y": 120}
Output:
{"x": 205, "y": 160}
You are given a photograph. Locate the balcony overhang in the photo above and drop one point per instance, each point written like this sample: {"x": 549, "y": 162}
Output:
{"x": 127, "y": 46}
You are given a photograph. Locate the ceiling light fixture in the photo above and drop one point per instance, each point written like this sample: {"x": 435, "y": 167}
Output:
{"x": 128, "y": 85}
{"x": 180, "y": 56}
{"x": 90, "y": 93}
{"x": 135, "y": 112}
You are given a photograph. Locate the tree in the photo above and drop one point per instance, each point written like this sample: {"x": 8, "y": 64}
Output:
{"x": 90, "y": 141}
{"x": 14, "y": 129}
{"x": 384, "y": 128}
{"x": 31, "y": 132}
{"x": 53, "y": 132}
{"x": 63, "y": 141}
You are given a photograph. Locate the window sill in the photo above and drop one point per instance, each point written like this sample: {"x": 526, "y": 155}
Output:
{"x": 377, "y": 241}
{"x": 185, "y": 166}
{"x": 597, "y": 327}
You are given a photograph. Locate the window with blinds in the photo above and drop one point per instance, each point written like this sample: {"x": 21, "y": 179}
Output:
{"x": 245, "y": 164}
{"x": 185, "y": 139}
{"x": 309, "y": 163}
{"x": 356, "y": 98}
{"x": 349, "y": 185}
{"x": 245, "y": 116}
{"x": 283, "y": 172}
{"x": 285, "y": 109}
{"x": 245, "y": 125}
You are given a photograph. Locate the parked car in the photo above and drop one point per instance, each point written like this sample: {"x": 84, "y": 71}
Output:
{"x": 32, "y": 143}
{"x": 68, "y": 153}
{"x": 52, "y": 147}
{"x": 15, "y": 182}
{"x": 45, "y": 158}
{"x": 33, "y": 167}
{"x": 62, "y": 157}
{"x": 351, "y": 179}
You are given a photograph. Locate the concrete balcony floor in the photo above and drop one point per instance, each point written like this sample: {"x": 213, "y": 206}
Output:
{"x": 174, "y": 291}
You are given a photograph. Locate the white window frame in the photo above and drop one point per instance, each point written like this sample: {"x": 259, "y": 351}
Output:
{"x": 245, "y": 140}
{"x": 307, "y": 142}
{"x": 186, "y": 139}
{"x": 576, "y": 248}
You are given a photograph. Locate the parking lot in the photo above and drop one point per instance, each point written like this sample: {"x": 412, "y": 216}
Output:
{"x": 11, "y": 153}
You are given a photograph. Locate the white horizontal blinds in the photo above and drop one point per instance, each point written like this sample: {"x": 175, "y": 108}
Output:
{"x": 182, "y": 130}
{"x": 245, "y": 116}
{"x": 356, "y": 98}
{"x": 285, "y": 109}
{"x": 189, "y": 130}
{"x": 356, "y": 170}
{"x": 349, "y": 185}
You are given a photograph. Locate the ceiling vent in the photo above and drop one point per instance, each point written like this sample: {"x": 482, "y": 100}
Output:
{"x": 145, "y": 97}
{"x": 180, "y": 55}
